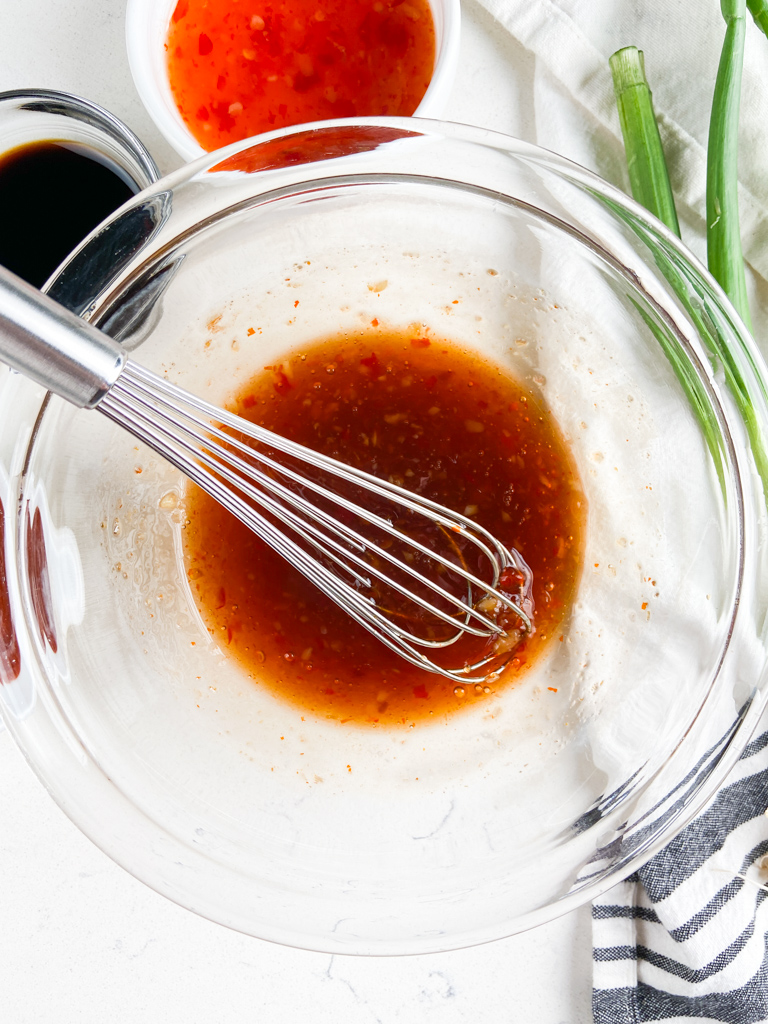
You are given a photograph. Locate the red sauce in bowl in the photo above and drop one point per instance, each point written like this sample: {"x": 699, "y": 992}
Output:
{"x": 438, "y": 420}
{"x": 237, "y": 69}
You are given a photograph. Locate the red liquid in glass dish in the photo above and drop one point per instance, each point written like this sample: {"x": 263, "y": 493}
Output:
{"x": 418, "y": 410}
{"x": 237, "y": 69}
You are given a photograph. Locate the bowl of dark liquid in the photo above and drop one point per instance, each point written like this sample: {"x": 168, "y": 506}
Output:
{"x": 65, "y": 165}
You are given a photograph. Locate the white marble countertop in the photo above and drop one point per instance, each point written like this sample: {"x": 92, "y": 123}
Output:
{"x": 82, "y": 941}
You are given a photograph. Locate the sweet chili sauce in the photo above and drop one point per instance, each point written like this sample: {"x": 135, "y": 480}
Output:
{"x": 240, "y": 67}
{"x": 420, "y": 411}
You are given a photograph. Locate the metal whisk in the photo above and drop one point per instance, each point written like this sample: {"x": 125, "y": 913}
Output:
{"x": 313, "y": 510}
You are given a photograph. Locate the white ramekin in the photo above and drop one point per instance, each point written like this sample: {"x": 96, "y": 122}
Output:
{"x": 146, "y": 28}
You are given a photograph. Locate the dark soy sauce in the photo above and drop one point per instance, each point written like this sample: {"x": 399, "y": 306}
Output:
{"x": 51, "y": 197}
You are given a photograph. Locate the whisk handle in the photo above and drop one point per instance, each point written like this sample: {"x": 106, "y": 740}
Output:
{"x": 54, "y": 347}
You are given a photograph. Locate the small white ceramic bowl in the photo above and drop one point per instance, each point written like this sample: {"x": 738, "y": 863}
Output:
{"x": 146, "y": 28}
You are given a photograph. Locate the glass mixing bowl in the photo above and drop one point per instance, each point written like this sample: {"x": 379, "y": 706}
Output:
{"x": 363, "y": 840}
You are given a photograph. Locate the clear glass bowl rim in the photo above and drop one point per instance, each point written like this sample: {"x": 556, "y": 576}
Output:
{"x": 749, "y": 355}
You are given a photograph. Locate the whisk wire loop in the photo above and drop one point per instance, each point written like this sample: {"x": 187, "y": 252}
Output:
{"x": 329, "y": 547}
{"x": 498, "y": 556}
{"x": 212, "y": 447}
{"x": 195, "y": 436}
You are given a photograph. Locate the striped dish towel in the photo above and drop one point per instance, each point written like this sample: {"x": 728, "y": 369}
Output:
{"x": 685, "y": 937}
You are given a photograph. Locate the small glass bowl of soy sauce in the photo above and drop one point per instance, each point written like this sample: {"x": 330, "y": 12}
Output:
{"x": 65, "y": 165}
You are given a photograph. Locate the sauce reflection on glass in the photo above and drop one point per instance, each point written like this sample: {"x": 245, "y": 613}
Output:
{"x": 10, "y": 658}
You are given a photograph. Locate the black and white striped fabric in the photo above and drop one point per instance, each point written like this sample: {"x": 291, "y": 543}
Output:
{"x": 686, "y": 937}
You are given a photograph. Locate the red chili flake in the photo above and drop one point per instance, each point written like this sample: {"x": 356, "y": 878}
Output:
{"x": 281, "y": 384}
{"x": 225, "y": 119}
{"x": 251, "y": 331}
{"x": 371, "y": 361}
{"x": 552, "y": 688}
{"x": 301, "y": 84}
{"x": 420, "y": 691}
{"x": 374, "y": 323}
{"x": 202, "y": 114}
{"x": 180, "y": 10}
{"x": 420, "y": 342}
{"x": 509, "y": 579}
{"x": 249, "y": 401}
{"x": 222, "y": 597}
{"x": 221, "y": 82}
{"x": 204, "y": 45}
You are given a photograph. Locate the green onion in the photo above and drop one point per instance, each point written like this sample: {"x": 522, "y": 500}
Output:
{"x": 759, "y": 11}
{"x": 648, "y": 176}
{"x": 724, "y": 255}
{"x": 645, "y": 157}
{"x": 705, "y": 314}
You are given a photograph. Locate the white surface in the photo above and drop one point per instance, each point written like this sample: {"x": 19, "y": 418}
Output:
{"x": 84, "y": 942}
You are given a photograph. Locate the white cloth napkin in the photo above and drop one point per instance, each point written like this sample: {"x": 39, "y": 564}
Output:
{"x": 684, "y": 938}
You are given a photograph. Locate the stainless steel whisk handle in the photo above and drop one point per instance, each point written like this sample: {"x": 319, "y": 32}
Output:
{"x": 54, "y": 347}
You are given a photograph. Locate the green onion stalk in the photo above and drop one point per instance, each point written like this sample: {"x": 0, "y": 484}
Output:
{"x": 645, "y": 157}
{"x": 759, "y": 11}
{"x": 650, "y": 187}
{"x": 724, "y": 255}
{"x": 649, "y": 180}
